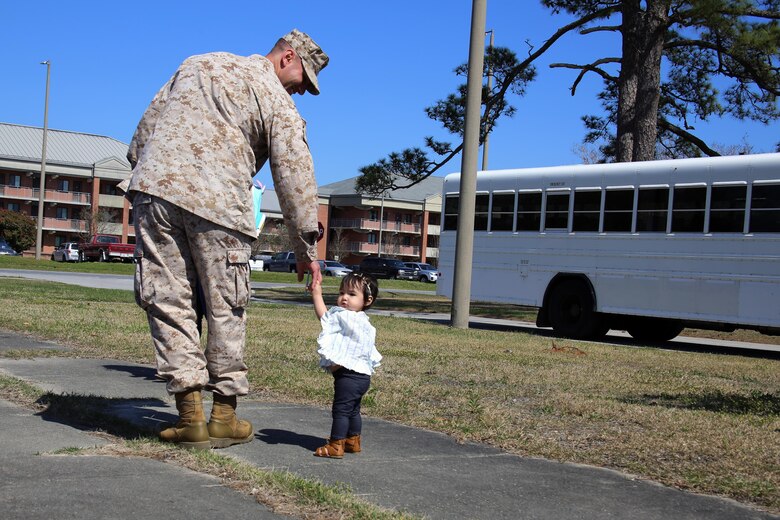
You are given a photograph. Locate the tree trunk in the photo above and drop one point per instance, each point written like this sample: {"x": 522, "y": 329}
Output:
{"x": 639, "y": 84}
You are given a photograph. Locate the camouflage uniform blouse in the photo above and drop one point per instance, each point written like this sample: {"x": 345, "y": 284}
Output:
{"x": 210, "y": 129}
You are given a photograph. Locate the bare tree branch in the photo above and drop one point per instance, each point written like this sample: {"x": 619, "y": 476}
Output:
{"x": 584, "y": 69}
{"x": 601, "y": 28}
{"x": 701, "y": 145}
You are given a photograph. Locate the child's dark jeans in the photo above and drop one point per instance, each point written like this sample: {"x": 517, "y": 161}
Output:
{"x": 349, "y": 387}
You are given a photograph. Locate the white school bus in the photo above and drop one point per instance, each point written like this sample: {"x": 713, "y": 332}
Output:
{"x": 647, "y": 247}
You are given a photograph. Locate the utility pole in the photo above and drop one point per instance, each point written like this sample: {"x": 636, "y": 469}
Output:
{"x": 489, "y": 86}
{"x": 42, "y": 189}
{"x": 381, "y": 217}
{"x": 464, "y": 245}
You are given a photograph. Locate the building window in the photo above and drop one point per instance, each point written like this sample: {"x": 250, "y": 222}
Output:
{"x": 13, "y": 206}
{"x": 63, "y": 185}
{"x": 62, "y": 213}
{"x": 107, "y": 189}
{"x": 407, "y": 241}
{"x": 373, "y": 215}
{"x": 372, "y": 238}
{"x": 77, "y": 186}
{"x": 407, "y": 218}
{"x": 15, "y": 180}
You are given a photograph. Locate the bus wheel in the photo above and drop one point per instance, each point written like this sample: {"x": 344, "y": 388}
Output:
{"x": 654, "y": 329}
{"x": 571, "y": 311}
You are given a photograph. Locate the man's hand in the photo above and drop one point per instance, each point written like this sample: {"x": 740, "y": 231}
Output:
{"x": 313, "y": 267}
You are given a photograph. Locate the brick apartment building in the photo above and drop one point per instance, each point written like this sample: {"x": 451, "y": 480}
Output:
{"x": 83, "y": 171}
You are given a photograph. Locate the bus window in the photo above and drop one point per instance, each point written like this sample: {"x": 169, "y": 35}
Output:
{"x": 651, "y": 211}
{"x": 556, "y": 215}
{"x": 451, "y": 203}
{"x": 765, "y": 208}
{"x": 502, "y": 212}
{"x": 727, "y": 209}
{"x": 481, "y": 212}
{"x": 587, "y": 207}
{"x": 529, "y": 211}
{"x": 688, "y": 209}
{"x": 618, "y": 209}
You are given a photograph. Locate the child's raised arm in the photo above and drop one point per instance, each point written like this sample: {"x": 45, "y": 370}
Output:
{"x": 316, "y": 298}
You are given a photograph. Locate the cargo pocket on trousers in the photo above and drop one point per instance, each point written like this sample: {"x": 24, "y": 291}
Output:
{"x": 142, "y": 288}
{"x": 237, "y": 278}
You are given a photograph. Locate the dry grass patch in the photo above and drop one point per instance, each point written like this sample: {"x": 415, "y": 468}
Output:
{"x": 704, "y": 422}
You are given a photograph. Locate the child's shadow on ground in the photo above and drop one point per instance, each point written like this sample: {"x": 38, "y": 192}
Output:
{"x": 271, "y": 436}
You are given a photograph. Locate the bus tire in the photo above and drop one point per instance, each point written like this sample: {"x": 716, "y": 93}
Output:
{"x": 572, "y": 311}
{"x": 653, "y": 329}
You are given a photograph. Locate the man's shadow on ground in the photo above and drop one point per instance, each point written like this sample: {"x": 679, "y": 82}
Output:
{"x": 272, "y": 436}
{"x": 126, "y": 418}
{"x": 123, "y": 417}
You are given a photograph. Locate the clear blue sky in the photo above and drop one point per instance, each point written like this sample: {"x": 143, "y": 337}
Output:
{"x": 389, "y": 60}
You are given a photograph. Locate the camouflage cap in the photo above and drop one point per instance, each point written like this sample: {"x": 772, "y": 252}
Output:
{"x": 313, "y": 58}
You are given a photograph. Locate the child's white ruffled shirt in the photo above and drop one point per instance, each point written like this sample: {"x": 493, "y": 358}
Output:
{"x": 348, "y": 339}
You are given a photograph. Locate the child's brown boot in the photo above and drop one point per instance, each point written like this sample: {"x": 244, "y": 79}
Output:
{"x": 352, "y": 444}
{"x": 333, "y": 449}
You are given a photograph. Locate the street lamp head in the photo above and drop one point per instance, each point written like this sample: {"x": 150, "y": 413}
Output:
{"x": 45, "y": 62}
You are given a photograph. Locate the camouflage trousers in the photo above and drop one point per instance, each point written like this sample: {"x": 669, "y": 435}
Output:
{"x": 179, "y": 254}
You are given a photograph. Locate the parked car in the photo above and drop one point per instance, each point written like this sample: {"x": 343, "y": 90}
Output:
{"x": 381, "y": 267}
{"x": 258, "y": 262}
{"x": 281, "y": 262}
{"x": 422, "y": 272}
{"x": 333, "y": 268}
{"x": 5, "y": 249}
{"x": 67, "y": 252}
{"x": 105, "y": 248}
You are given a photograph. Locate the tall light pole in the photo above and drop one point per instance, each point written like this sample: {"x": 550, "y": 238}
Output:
{"x": 464, "y": 241}
{"x": 381, "y": 216}
{"x": 489, "y": 86}
{"x": 42, "y": 189}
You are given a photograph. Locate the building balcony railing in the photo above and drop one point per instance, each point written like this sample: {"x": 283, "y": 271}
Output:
{"x": 373, "y": 225}
{"x": 111, "y": 201}
{"x": 434, "y": 230}
{"x": 387, "y": 249}
{"x": 27, "y": 193}
{"x": 64, "y": 224}
{"x": 432, "y": 252}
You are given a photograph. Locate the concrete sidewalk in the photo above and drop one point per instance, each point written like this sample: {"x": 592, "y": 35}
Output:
{"x": 409, "y": 469}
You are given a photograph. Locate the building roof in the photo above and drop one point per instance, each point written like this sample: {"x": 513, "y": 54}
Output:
{"x": 25, "y": 143}
{"x": 419, "y": 192}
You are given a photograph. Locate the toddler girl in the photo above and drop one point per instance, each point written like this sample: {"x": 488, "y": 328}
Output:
{"x": 346, "y": 349}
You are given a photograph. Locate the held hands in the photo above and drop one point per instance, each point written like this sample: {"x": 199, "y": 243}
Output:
{"x": 315, "y": 288}
{"x": 312, "y": 267}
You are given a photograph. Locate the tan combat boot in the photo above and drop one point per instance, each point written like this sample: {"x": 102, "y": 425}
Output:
{"x": 225, "y": 429}
{"x": 191, "y": 431}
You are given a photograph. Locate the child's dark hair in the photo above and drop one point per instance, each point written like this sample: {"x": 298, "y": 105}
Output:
{"x": 363, "y": 282}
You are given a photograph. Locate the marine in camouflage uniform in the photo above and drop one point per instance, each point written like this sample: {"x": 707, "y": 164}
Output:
{"x": 208, "y": 130}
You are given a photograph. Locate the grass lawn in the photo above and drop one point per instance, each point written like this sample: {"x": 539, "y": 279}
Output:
{"x": 703, "y": 422}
